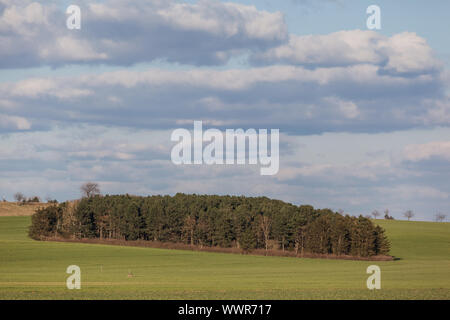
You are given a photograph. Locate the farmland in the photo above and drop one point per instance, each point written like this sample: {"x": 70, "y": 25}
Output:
{"x": 19, "y": 210}
{"x": 36, "y": 270}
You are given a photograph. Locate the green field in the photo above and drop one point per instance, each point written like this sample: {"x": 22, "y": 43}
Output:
{"x": 36, "y": 270}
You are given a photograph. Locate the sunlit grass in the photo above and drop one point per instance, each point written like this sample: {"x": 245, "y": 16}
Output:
{"x": 36, "y": 270}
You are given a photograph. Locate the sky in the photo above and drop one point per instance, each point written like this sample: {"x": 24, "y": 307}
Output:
{"x": 364, "y": 115}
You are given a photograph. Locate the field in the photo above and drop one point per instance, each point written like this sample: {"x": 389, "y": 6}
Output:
{"x": 14, "y": 209}
{"x": 36, "y": 270}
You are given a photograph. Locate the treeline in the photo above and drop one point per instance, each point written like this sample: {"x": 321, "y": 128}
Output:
{"x": 213, "y": 221}
{"x": 22, "y": 199}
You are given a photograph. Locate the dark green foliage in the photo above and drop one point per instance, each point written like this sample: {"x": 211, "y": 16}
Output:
{"x": 46, "y": 222}
{"x": 223, "y": 221}
{"x": 34, "y": 199}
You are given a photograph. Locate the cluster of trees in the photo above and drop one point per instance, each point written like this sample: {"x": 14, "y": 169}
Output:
{"x": 376, "y": 214}
{"x": 216, "y": 221}
{"x": 20, "y": 197}
{"x": 409, "y": 214}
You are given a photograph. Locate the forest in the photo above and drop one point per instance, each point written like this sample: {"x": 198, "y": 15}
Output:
{"x": 246, "y": 223}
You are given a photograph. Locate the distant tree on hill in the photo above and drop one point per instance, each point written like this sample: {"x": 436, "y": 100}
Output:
{"x": 50, "y": 200}
{"x": 34, "y": 199}
{"x": 19, "y": 197}
{"x": 375, "y": 214}
{"x": 408, "y": 214}
{"x": 440, "y": 217}
{"x": 387, "y": 216}
{"x": 90, "y": 189}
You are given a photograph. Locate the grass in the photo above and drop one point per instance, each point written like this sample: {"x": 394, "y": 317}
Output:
{"x": 36, "y": 270}
{"x": 14, "y": 209}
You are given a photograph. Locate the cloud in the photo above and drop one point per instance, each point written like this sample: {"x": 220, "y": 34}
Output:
{"x": 13, "y": 123}
{"x": 322, "y": 91}
{"x": 408, "y": 192}
{"x": 331, "y": 173}
{"x": 438, "y": 111}
{"x": 291, "y": 98}
{"x": 401, "y": 54}
{"x": 118, "y": 32}
{"x": 427, "y": 151}
{"x": 55, "y": 163}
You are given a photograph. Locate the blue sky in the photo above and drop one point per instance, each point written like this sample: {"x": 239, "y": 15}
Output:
{"x": 364, "y": 115}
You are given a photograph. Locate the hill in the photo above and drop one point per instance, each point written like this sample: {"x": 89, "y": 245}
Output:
{"x": 227, "y": 222}
{"x": 19, "y": 210}
{"x": 36, "y": 270}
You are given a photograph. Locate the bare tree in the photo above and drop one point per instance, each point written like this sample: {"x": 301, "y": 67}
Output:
{"x": 265, "y": 224}
{"x": 375, "y": 214}
{"x": 19, "y": 197}
{"x": 189, "y": 224}
{"x": 440, "y": 217}
{"x": 90, "y": 189}
{"x": 408, "y": 214}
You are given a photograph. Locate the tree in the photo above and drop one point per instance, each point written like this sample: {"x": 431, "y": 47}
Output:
{"x": 34, "y": 199}
{"x": 19, "y": 197}
{"x": 382, "y": 244}
{"x": 440, "y": 217}
{"x": 189, "y": 228}
{"x": 387, "y": 216}
{"x": 50, "y": 200}
{"x": 247, "y": 240}
{"x": 45, "y": 222}
{"x": 265, "y": 224}
{"x": 408, "y": 214}
{"x": 375, "y": 214}
{"x": 90, "y": 189}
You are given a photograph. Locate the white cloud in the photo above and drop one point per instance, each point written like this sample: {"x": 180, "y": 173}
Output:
{"x": 14, "y": 123}
{"x": 371, "y": 171}
{"x": 348, "y": 108}
{"x": 408, "y": 53}
{"x": 409, "y": 192}
{"x": 403, "y": 53}
{"x": 23, "y": 18}
{"x": 43, "y": 87}
{"x": 122, "y": 33}
{"x": 291, "y": 98}
{"x": 438, "y": 111}
{"x": 436, "y": 149}
{"x": 71, "y": 49}
{"x": 225, "y": 19}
